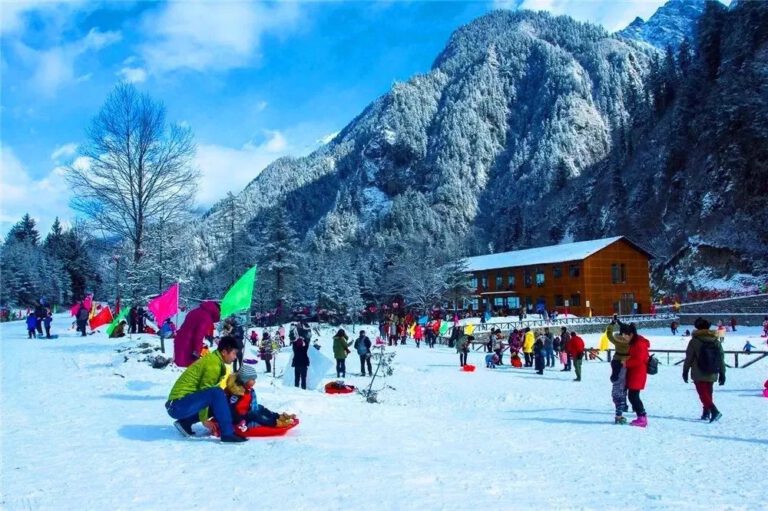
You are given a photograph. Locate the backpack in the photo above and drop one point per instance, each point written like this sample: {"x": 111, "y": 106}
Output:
{"x": 708, "y": 358}
{"x": 653, "y": 365}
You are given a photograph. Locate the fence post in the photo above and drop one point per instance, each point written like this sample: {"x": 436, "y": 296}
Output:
{"x": 736, "y": 359}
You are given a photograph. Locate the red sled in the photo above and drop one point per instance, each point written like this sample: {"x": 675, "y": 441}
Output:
{"x": 468, "y": 368}
{"x": 261, "y": 431}
{"x": 335, "y": 388}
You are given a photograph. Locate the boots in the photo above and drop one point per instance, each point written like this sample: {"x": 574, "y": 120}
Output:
{"x": 640, "y": 422}
{"x": 705, "y": 414}
{"x": 714, "y": 414}
{"x": 620, "y": 419}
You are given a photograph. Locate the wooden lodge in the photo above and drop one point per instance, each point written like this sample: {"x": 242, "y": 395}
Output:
{"x": 598, "y": 277}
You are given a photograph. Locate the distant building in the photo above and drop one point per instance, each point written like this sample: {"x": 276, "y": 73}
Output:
{"x": 610, "y": 275}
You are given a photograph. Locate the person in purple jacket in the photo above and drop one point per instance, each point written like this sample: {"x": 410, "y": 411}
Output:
{"x": 189, "y": 338}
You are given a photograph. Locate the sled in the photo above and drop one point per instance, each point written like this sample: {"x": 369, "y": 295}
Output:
{"x": 250, "y": 361}
{"x": 265, "y": 431}
{"x": 260, "y": 431}
{"x": 336, "y": 388}
{"x": 468, "y": 368}
{"x": 765, "y": 392}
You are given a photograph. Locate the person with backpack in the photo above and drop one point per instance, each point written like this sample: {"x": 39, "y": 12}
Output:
{"x": 705, "y": 362}
{"x": 363, "y": 348}
{"x": 637, "y": 371}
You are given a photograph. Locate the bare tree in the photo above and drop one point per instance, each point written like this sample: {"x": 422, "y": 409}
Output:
{"x": 138, "y": 167}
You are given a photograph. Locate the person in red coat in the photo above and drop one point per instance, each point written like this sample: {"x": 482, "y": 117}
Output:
{"x": 575, "y": 348}
{"x": 637, "y": 370}
{"x": 189, "y": 338}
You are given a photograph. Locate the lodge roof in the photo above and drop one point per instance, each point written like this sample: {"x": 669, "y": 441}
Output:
{"x": 577, "y": 251}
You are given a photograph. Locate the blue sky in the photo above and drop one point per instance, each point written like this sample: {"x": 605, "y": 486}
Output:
{"x": 254, "y": 80}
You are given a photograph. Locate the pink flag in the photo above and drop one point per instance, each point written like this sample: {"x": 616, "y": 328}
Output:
{"x": 86, "y": 303}
{"x": 165, "y": 305}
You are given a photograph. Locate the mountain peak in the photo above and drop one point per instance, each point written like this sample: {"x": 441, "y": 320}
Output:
{"x": 669, "y": 25}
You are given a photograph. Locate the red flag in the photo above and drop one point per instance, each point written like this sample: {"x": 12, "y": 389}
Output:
{"x": 104, "y": 317}
{"x": 165, "y": 305}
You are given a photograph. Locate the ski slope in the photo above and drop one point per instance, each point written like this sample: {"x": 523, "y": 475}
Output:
{"x": 82, "y": 429}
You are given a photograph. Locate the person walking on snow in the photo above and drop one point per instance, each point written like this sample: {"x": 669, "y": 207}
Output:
{"x": 564, "y": 338}
{"x": 31, "y": 326}
{"x": 47, "y": 324}
{"x": 705, "y": 362}
{"x": 637, "y": 371}
{"x": 575, "y": 348}
{"x": 549, "y": 348}
{"x": 340, "y": 352}
{"x": 618, "y": 371}
{"x": 538, "y": 354}
{"x": 197, "y": 390}
{"x": 528, "y": 341}
{"x": 363, "y": 348}
{"x": 300, "y": 362}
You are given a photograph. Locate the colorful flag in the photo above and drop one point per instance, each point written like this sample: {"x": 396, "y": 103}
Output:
{"x": 423, "y": 320}
{"x": 604, "y": 343}
{"x": 444, "y": 326}
{"x": 104, "y": 317}
{"x": 469, "y": 329}
{"x": 240, "y": 295}
{"x": 88, "y": 302}
{"x": 117, "y": 320}
{"x": 165, "y": 305}
{"x": 411, "y": 329}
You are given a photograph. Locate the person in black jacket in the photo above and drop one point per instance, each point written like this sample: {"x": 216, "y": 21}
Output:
{"x": 133, "y": 320}
{"x": 363, "y": 347}
{"x": 300, "y": 362}
{"x": 40, "y": 314}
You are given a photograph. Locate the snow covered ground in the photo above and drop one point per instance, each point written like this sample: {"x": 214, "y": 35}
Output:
{"x": 81, "y": 429}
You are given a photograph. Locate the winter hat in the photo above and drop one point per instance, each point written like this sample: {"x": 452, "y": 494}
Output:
{"x": 701, "y": 324}
{"x": 246, "y": 373}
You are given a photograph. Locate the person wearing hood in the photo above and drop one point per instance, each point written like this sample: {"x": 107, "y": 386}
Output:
{"x": 341, "y": 346}
{"x": 189, "y": 338}
{"x": 528, "y": 341}
{"x": 637, "y": 370}
{"x": 705, "y": 362}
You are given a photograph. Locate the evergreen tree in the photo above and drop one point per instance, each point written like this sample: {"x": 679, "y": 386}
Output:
{"x": 24, "y": 231}
{"x": 278, "y": 257}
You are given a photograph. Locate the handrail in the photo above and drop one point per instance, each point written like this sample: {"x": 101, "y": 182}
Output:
{"x": 735, "y": 354}
{"x": 593, "y": 320}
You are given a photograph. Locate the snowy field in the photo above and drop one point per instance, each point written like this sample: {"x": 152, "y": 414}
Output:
{"x": 81, "y": 429}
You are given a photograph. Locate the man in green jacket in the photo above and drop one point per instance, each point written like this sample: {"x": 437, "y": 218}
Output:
{"x": 705, "y": 359}
{"x": 197, "y": 389}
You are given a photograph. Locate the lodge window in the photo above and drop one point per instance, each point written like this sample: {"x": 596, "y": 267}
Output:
{"x": 484, "y": 281}
{"x": 559, "y": 301}
{"x": 574, "y": 270}
{"x": 528, "y": 303}
{"x": 499, "y": 281}
{"x": 539, "y": 277}
{"x": 527, "y": 278}
{"x": 576, "y": 300}
{"x": 557, "y": 271}
{"x": 618, "y": 273}
{"x": 474, "y": 302}
{"x": 513, "y": 302}
{"x": 498, "y": 302}
{"x": 473, "y": 282}
{"x": 511, "y": 280}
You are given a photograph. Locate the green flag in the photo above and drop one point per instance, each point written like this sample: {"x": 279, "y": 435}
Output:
{"x": 117, "y": 320}
{"x": 239, "y": 296}
{"x": 444, "y": 326}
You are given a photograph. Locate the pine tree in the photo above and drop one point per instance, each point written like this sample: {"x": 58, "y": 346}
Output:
{"x": 278, "y": 257}
{"x": 24, "y": 231}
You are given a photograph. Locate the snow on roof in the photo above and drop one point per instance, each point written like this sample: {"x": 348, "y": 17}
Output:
{"x": 541, "y": 255}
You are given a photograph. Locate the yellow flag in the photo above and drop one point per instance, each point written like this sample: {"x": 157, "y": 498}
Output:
{"x": 411, "y": 329}
{"x": 469, "y": 329}
{"x": 604, "y": 342}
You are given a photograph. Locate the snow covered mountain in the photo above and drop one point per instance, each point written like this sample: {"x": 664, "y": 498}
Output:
{"x": 669, "y": 25}
{"x": 532, "y": 129}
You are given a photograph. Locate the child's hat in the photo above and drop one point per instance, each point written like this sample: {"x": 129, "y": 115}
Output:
{"x": 246, "y": 373}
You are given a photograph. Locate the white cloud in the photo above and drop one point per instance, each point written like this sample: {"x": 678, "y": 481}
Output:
{"x": 612, "y": 14}
{"x": 14, "y": 12}
{"x": 207, "y": 35}
{"x": 44, "y": 199}
{"x": 55, "y": 67}
{"x": 132, "y": 74}
{"x": 65, "y": 151}
{"x": 226, "y": 169}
